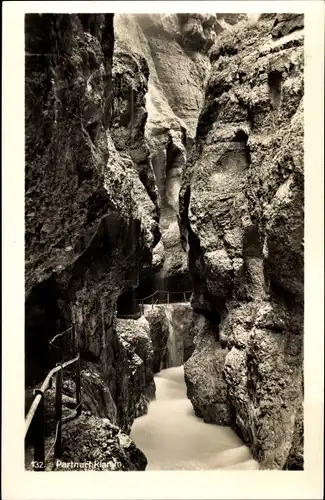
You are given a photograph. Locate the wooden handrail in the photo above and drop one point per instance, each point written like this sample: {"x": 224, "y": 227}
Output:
{"x": 58, "y": 414}
{"x": 41, "y": 391}
{"x": 163, "y": 291}
{"x": 37, "y": 408}
{"x": 36, "y": 412}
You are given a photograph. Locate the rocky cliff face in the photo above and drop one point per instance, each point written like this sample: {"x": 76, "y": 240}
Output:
{"x": 112, "y": 118}
{"x": 172, "y": 330}
{"x": 91, "y": 206}
{"x": 96, "y": 441}
{"x": 175, "y": 47}
{"x": 242, "y": 199}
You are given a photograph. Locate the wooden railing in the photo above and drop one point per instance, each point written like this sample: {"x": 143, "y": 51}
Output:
{"x": 36, "y": 413}
{"x": 158, "y": 297}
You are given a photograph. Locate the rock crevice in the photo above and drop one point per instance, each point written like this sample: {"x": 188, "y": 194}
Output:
{"x": 166, "y": 152}
{"x": 91, "y": 211}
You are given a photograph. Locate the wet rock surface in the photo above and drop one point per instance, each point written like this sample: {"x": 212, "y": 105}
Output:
{"x": 241, "y": 207}
{"x": 171, "y": 332}
{"x": 175, "y": 47}
{"x": 206, "y": 385}
{"x": 91, "y": 206}
{"x": 135, "y": 371}
{"x": 95, "y": 444}
{"x": 129, "y": 117}
{"x": 159, "y": 333}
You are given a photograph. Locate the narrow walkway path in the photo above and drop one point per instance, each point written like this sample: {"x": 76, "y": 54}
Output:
{"x": 173, "y": 438}
{"x": 148, "y": 307}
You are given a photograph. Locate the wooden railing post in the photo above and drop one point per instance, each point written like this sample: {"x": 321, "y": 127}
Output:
{"x": 184, "y": 295}
{"x": 64, "y": 346}
{"x": 167, "y": 297}
{"x": 58, "y": 414}
{"x": 152, "y": 302}
{"x": 78, "y": 386}
{"x": 77, "y": 351}
{"x": 74, "y": 332}
{"x": 39, "y": 435}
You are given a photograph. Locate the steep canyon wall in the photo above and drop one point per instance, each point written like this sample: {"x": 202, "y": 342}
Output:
{"x": 242, "y": 199}
{"x": 104, "y": 156}
{"x": 175, "y": 47}
{"x": 91, "y": 210}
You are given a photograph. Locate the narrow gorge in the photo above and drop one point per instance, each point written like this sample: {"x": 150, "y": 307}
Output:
{"x": 164, "y": 240}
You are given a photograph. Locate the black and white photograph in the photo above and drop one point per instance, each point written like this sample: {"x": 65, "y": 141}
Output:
{"x": 164, "y": 231}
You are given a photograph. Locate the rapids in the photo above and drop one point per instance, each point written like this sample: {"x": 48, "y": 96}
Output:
{"x": 173, "y": 438}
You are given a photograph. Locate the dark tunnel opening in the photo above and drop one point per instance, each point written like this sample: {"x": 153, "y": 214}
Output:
{"x": 42, "y": 318}
{"x": 128, "y": 305}
{"x": 275, "y": 84}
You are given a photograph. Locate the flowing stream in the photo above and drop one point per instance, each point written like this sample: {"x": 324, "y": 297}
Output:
{"x": 173, "y": 438}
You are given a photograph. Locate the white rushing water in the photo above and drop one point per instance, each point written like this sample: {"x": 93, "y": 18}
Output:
{"x": 173, "y": 438}
{"x": 172, "y": 350}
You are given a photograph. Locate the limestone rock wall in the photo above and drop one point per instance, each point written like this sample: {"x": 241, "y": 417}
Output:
{"x": 172, "y": 330}
{"x": 107, "y": 448}
{"x": 135, "y": 387}
{"x": 174, "y": 47}
{"x": 91, "y": 206}
{"x": 241, "y": 205}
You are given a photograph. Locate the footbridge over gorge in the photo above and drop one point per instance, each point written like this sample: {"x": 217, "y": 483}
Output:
{"x": 129, "y": 306}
